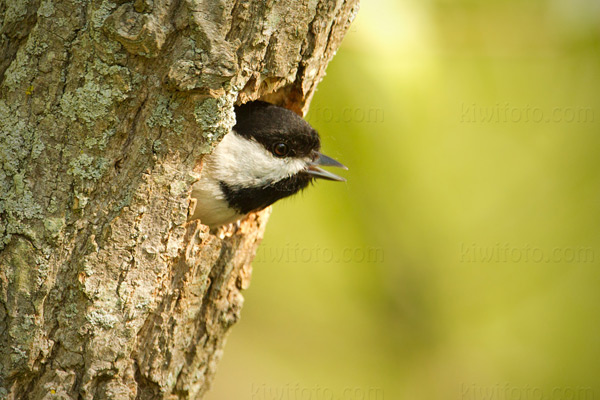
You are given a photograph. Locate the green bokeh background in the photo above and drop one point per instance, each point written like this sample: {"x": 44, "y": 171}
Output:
{"x": 461, "y": 259}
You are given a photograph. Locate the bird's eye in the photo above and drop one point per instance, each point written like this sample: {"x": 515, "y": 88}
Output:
{"x": 280, "y": 149}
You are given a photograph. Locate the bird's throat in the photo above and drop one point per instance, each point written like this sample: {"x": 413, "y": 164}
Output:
{"x": 248, "y": 199}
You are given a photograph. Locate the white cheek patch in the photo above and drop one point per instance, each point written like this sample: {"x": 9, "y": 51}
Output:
{"x": 238, "y": 161}
{"x": 241, "y": 162}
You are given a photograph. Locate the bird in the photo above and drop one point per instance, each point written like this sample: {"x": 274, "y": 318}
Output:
{"x": 270, "y": 153}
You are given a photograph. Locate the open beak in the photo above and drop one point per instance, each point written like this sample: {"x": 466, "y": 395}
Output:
{"x": 314, "y": 169}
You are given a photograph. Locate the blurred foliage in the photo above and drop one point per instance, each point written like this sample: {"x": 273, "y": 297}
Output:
{"x": 460, "y": 260}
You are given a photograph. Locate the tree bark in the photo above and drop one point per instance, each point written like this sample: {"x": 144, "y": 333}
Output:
{"x": 106, "y": 109}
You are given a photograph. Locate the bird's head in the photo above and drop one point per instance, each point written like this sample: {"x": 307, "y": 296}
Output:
{"x": 289, "y": 145}
{"x": 271, "y": 153}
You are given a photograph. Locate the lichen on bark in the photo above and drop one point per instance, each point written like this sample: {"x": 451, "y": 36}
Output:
{"x": 106, "y": 109}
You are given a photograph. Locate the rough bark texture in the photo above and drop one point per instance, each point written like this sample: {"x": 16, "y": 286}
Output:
{"x": 106, "y": 108}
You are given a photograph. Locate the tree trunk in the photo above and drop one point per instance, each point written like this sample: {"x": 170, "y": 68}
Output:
{"x": 106, "y": 108}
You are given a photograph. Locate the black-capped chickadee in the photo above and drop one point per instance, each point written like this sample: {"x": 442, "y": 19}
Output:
{"x": 271, "y": 153}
